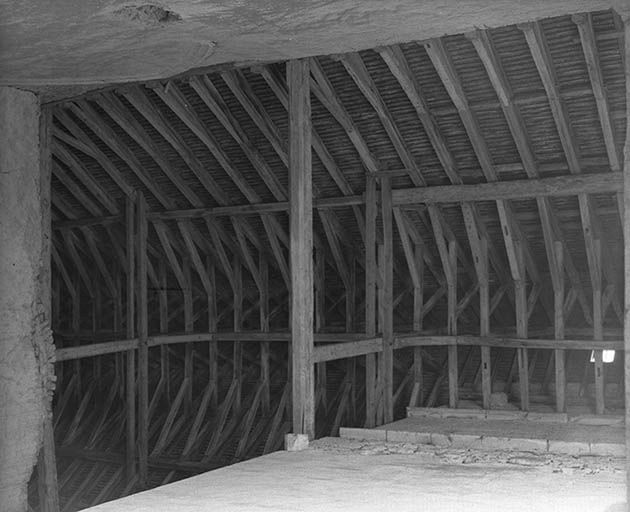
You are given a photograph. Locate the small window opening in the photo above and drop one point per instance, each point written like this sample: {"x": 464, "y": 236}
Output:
{"x": 608, "y": 356}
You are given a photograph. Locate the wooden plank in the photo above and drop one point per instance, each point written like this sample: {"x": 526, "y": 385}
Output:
{"x": 537, "y": 44}
{"x": 323, "y": 90}
{"x": 320, "y": 149}
{"x": 86, "y": 179}
{"x": 100, "y": 262}
{"x": 237, "y": 347}
{"x": 188, "y": 328}
{"x": 371, "y": 212}
{"x": 185, "y": 228}
{"x": 301, "y": 234}
{"x": 241, "y": 89}
{"x": 388, "y": 297}
{"x": 584, "y": 24}
{"x": 177, "y": 102}
{"x": 213, "y": 348}
{"x": 559, "y": 355}
{"x": 93, "y": 350}
{"x": 84, "y": 111}
{"x": 265, "y": 348}
{"x": 361, "y": 76}
{"x": 335, "y": 248}
{"x": 560, "y": 186}
{"x": 400, "y": 341}
{"x": 417, "y": 393}
{"x": 453, "y": 387}
{"x": 279, "y": 89}
{"x": 520, "y": 293}
{"x": 69, "y": 239}
{"x": 447, "y": 249}
{"x": 626, "y": 252}
{"x": 63, "y": 271}
{"x": 211, "y": 97}
{"x": 598, "y": 334}
{"x": 335, "y": 351}
{"x": 446, "y": 70}
{"x": 410, "y": 255}
{"x": 165, "y": 236}
{"x": 47, "y": 487}
{"x": 479, "y": 248}
{"x": 82, "y": 138}
{"x": 143, "y": 350}
{"x": 141, "y": 102}
{"x": 130, "y": 396}
{"x": 395, "y": 59}
{"x": 121, "y": 115}
{"x": 246, "y": 253}
{"x": 431, "y": 340}
{"x": 249, "y": 209}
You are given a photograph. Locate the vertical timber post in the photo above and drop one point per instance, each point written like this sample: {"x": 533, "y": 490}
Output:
{"x": 371, "y": 212}
{"x": 143, "y": 349}
{"x": 559, "y": 354}
{"x": 301, "y": 247}
{"x": 130, "y": 412}
{"x": 320, "y": 322}
{"x": 163, "y": 310}
{"x": 598, "y": 331}
{"x": 213, "y": 351}
{"x": 264, "y": 327}
{"x": 417, "y": 394}
{"x": 484, "y": 324}
{"x": 188, "y": 328}
{"x": 237, "y": 346}
{"x": 520, "y": 292}
{"x": 388, "y": 302}
{"x": 453, "y": 380}
{"x": 626, "y": 242}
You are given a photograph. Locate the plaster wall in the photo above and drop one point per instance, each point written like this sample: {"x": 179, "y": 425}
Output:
{"x": 26, "y": 347}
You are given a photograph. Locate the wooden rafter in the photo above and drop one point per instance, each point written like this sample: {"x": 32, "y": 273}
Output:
{"x": 511, "y": 231}
{"x": 593, "y": 234}
{"x": 551, "y": 231}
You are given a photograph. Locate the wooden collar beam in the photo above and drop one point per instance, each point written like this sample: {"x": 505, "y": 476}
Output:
{"x": 559, "y": 186}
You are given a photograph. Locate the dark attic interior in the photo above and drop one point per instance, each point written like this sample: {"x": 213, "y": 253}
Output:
{"x": 398, "y": 244}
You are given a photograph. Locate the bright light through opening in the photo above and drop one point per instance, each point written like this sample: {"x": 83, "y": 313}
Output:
{"x": 608, "y": 356}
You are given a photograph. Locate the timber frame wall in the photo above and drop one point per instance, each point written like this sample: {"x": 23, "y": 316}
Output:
{"x": 314, "y": 264}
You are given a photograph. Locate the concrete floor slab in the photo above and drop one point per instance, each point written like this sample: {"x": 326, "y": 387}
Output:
{"x": 351, "y": 476}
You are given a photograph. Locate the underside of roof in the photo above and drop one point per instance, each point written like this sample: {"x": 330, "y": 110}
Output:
{"x": 539, "y": 100}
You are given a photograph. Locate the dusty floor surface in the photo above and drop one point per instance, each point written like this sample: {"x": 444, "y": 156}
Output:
{"x": 344, "y": 475}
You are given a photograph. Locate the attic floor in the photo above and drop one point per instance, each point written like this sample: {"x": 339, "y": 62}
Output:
{"x": 349, "y": 475}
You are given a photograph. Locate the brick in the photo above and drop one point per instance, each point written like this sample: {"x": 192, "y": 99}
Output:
{"x": 367, "y": 434}
{"x": 514, "y": 444}
{"x": 443, "y": 440}
{"x": 548, "y": 417}
{"x": 400, "y": 436}
{"x": 478, "y": 414}
{"x": 466, "y": 441}
{"x": 424, "y": 412}
{"x": 608, "y": 449}
{"x": 569, "y": 447}
{"x": 498, "y": 414}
